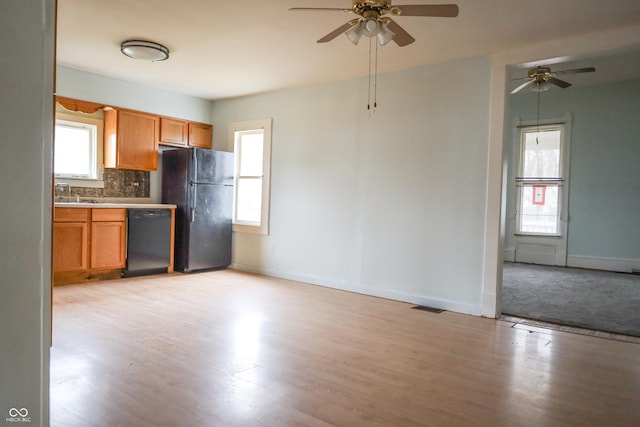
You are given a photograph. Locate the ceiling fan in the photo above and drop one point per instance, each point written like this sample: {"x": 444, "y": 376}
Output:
{"x": 372, "y": 22}
{"x": 540, "y": 77}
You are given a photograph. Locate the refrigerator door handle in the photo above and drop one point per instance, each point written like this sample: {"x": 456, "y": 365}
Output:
{"x": 194, "y": 198}
{"x": 195, "y": 165}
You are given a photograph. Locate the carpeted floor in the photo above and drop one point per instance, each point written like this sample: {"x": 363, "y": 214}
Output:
{"x": 604, "y": 301}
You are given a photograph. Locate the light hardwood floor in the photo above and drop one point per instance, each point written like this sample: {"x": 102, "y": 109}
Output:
{"x": 232, "y": 349}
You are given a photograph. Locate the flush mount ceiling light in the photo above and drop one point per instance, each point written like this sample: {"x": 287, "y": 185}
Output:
{"x": 144, "y": 50}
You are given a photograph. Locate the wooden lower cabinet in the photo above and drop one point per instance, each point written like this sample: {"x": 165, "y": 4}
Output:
{"x": 70, "y": 246}
{"x": 88, "y": 244}
{"x": 108, "y": 238}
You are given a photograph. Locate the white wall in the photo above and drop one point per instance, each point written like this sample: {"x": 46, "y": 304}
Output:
{"x": 26, "y": 120}
{"x": 78, "y": 84}
{"x": 390, "y": 205}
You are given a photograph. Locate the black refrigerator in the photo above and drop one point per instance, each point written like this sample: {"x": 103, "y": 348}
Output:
{"x": 200, "y": 183}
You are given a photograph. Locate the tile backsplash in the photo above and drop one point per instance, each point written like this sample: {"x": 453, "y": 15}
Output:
{"x": 117, "y": 183}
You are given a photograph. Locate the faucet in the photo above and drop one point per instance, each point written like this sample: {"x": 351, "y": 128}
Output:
{"x": 64, "y": 185}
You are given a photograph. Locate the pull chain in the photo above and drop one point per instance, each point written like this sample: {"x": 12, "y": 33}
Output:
{"x": 369, "y": 82}
{"x": 373, "y": 63}
{"x": 538, "y": 116}
{"x": 375, "y": 78}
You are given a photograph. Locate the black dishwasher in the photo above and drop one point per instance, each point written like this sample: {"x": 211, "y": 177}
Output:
{"x": 148, "y": 241}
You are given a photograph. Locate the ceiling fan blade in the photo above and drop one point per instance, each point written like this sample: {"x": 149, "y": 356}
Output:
{"x": 335, "y": 33}
{"x": 576, "y": 70}
{"x": 402, "y": 38}
{"x": 558, "y": 82}
{"x": 319, "y": 9}
{"x": 522, "y": 86}
{"x": 442, "y": 10}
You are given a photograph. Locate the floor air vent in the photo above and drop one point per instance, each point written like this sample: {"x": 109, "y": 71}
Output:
{"x": 429, "y": 309}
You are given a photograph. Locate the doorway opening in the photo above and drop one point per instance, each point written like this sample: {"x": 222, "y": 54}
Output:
{"x": 590, "y": 237}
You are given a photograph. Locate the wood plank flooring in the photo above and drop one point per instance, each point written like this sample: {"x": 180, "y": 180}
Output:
{"x": 233, "y": 349}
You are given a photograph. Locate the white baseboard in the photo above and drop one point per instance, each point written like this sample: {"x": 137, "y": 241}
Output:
{"x": 391, "y": 294}
{"x": 594, "y": 263}
{"x": 599, "y": 263}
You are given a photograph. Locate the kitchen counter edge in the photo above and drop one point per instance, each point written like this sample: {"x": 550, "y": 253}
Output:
{"x": 114, "y": 205}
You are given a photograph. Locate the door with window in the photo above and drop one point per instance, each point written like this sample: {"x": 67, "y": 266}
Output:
{"x": 541, "y": 194}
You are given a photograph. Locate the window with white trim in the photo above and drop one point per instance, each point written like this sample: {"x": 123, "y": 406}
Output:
{"x": 540, "y": 180}
{"x": 251, "y": 143}
{"x": 78, "y": 149}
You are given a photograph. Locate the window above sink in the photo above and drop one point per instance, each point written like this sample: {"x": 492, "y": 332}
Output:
{"x": 78, "y": 149}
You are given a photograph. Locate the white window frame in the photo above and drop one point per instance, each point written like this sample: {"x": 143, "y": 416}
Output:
{"x": 556, "y": 181}
{"x": 97, "y": 180}
{"x": 254, "y": 125}
{"x": 539, "y": 248}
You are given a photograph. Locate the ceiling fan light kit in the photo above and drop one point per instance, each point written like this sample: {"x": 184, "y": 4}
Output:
{"x": 540, "y": 86}
{"x": 370, "y": 28}
{"x": 144, "y": 50}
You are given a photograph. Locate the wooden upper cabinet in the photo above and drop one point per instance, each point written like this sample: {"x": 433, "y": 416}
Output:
{"x": 173, "y": 131}
{"x": 200, "y": 135}
{"x": 131, "y": 140}
{"x": 178, "y": 132}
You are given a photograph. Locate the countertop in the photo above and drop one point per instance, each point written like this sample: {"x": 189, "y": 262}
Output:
{"x": 113, "y": 205}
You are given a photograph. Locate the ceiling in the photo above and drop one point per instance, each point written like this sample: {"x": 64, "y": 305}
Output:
{"x": 221, "y": 49}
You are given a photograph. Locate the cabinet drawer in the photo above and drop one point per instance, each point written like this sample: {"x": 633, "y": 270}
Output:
{"x": 108, "y": 214}
{"x": 71, "y": 214}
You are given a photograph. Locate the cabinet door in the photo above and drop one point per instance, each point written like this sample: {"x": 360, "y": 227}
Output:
{"x": 137, "y": 141}
{"x": 108, "y": 237}
{"x": 200, "y": 135}
{"x": 108, "y": 244}
{"x": 173, "y": 131}
{"x": 70, "y": 242}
